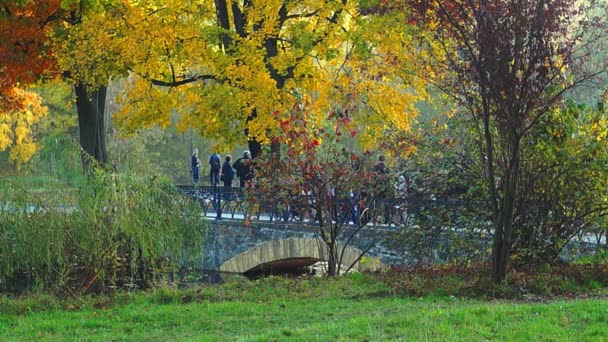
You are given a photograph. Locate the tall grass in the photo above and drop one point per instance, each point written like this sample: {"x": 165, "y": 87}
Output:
{"x": 116, "y": 230}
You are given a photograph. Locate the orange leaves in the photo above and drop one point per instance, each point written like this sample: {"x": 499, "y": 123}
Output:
{"x": 25, "y": 57}
{"x": 24, "y": 49}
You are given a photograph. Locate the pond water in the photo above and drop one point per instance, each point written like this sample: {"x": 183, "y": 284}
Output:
{"x": 195, "y": 277}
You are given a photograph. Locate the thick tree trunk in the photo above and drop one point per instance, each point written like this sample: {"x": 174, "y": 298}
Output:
{"x": 275, "y": 148}
{"x": 90, "y": 106}
{"x": 255, "y": 147}
{"x": 100, "y": 96}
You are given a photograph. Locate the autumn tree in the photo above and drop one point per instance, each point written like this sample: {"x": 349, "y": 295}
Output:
{"x": 41, "y": 40}
{"x": 510, "y": 63}
{"x": 89, "y": 63}
{"x": 225, "y": 67}
{"x": 24, "y": 52}
{"x": 24, "y": 56}
{"x": 322, "y": 180}
{"x": 563, "y": 182}
{"x": 561, "y": 192}
{"x": 16, "y": 125}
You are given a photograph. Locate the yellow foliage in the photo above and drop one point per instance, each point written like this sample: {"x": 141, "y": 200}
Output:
{"x": 322, "y": 50}
{"x": 16, "y": 126}
{"x": 91, "y": 50}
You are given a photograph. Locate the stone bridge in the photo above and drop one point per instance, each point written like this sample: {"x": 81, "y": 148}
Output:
{"x": 276, "y": 239}
{"x": 237, "y": 247}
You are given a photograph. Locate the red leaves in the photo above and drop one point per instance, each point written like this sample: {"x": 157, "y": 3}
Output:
{"x": 283, "y": 124}
{"x": 301, "y": 135}
{"x": 343, "y": 121}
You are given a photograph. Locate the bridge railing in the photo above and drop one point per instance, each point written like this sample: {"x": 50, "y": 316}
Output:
{"x": 233, "y": 204}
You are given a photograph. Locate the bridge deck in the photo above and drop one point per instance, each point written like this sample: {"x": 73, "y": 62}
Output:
{"x": 233, "y": 205}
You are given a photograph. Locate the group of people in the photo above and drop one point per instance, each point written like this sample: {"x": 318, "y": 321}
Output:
{"x": 226, "y": 172}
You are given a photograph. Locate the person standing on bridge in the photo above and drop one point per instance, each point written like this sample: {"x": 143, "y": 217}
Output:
{"x": 382, "y": 191}
{"x": 243, "y": 168}
{"x": 380, "y": 167}
{"x": 227, "y": 172}
{"x": 194, "y": 165}
{"x": 215, "y": 162}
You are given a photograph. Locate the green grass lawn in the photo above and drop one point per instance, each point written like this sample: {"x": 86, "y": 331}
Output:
{"x": 352, "y": 308}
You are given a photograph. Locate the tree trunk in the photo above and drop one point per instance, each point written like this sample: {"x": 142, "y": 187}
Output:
{"x": 91, "y": 110}
{"x": 275, "y": 148}
{"x": 501, "y": 249}
{"x": 332, "y": 259}
{"x": 100, "y": 96}
{"x": 503, "y": 228}
{"x": 255, "y": 147}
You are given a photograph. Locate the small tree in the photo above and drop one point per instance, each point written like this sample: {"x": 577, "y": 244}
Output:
{"x": 322, "y": 180}
{"x": 561, "y": 189}
{"x": 511, "y": 62}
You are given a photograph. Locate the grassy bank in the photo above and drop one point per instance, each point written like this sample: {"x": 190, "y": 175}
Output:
{"x": 353, "y": 308}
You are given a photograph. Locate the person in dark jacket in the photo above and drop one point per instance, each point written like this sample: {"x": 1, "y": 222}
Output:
{"x": 380, "y": 167}
{"x": 227, "y": 172}
{"x": 215, "y": 163}
{"x": 243, "y": 168}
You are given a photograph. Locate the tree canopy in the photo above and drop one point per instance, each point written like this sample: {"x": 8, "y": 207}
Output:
{"x": 226, "y": 68}
{"x": 24, "y": 57}
{"x": 36, "y": 32}
{"x": 223, "y": 67}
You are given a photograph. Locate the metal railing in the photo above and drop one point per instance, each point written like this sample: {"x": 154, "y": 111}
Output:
{"x": 231, "y": 202}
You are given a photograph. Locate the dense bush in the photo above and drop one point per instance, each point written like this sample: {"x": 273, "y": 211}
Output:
{"x": 559, "y": 200}
{"x": 447, "y": 218}
{"x": 116, "y": 230}
{"x": 562, "y": 184}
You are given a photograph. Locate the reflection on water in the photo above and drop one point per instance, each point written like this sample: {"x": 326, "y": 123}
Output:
{"x": 291, "y": 267}
{"x": 197, "y": 277}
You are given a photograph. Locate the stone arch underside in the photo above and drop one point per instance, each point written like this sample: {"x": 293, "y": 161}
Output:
{"x": 283, "y": 249}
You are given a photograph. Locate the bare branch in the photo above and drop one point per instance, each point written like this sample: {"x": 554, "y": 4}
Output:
{"x": 176, "y": 83}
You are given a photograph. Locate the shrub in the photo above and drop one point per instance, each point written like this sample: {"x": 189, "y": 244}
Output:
{"x": 561, "y": 280}
{"x": 118, "y": 230}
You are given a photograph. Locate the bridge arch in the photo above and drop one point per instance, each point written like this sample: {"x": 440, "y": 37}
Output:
{"x": 284, "y": 249}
